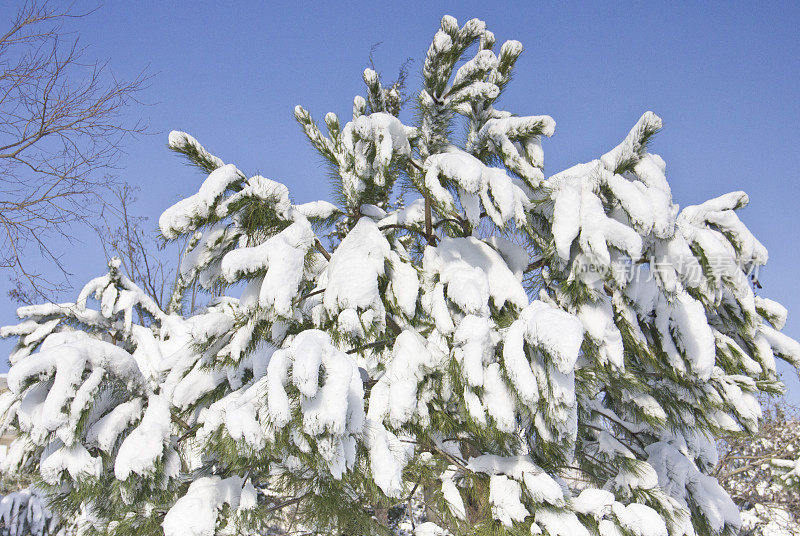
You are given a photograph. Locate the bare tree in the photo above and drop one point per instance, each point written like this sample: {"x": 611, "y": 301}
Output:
{"x": 751, "y": 468}
{"x": 122, "y": 235}
{"x": 61, "y": 125}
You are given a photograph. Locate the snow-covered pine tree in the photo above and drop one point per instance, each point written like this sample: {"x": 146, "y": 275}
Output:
{"x": 25, "y": 512}
{"x": 525, "y": 355}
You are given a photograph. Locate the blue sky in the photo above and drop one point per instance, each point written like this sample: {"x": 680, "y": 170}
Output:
{"x": 724, "y": 77}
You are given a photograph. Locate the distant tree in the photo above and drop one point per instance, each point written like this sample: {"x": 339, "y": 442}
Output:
{"x": 60, "y": 132}
{"x": 122, "y": 234}
{"x": 762, "y": 473}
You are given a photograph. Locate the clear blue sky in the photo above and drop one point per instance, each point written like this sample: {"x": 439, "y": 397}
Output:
{"x": 724, "y": 77}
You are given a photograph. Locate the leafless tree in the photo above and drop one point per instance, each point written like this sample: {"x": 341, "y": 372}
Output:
{"x": 122, "y": 235}
{"x": 745, "y": 467}
{"x": 61, "y": 125}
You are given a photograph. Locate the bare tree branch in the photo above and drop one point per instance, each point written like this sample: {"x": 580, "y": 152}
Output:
{"x": 121, "y": 235}
{"x": 744, "y": 468}
{"x": 61, "y": 127}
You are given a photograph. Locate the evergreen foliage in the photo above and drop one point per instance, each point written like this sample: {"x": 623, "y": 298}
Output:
{"x": 518, "y": 354}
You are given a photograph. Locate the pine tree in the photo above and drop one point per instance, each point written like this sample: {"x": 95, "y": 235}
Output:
{"x": 517, "y": 354}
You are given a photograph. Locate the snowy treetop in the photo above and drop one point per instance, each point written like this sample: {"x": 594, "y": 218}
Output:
{"x": 528, "y": 352}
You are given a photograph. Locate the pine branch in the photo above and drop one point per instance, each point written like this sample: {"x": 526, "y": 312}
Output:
{"x": 428, "y": 226}
{"x": 319, "y": 247}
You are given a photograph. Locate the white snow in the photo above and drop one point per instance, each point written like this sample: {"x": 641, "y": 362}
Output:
{"x": 501, "y": 198}
{"x": 317, "y": 209}
{"x": 640, "y": 519}
{"x": 26, "y": 512}
{"x": 539, "y": 485}
{"x": 694, "y": 335}
{"x": 334, "y": 406}
{"x": 504, "y": 496}
{"x": 679, "y": 477}
{"x": 773, "y": 311}
{"x": 578, "y": 213}
{"x": 380, "y": 131}
{"x": 145, "y": 444}
{"x": 784, "y": 346}
{"x": 75, "y": 459}
{"x": 498, "y": 399}
{"x": 395, "y": 395}
{"x": 516, "y": 362}
{"x": 598, "y": 321}
{"x": 388, "y": 456}
{"x": 631, "y": 146}
{"x": 473, "y": 272}
{"x": 178, "y": 218}
{"x": 106, "y": 430}
{"x": 452, "y": 495}
{"x": 560, "y": 523}
{"x": 195, "y": 514}
{"x": 557, "y": 332}
{"x": 355, "y": 267}
{"x": 283, "y": 257}
{"x": 439, "y": 330}
{"x": 65, "y": 364}
{"x": 515, "y": 255}
{"x": 404, "y": 286}
{"x": 542, "y": 488}
{"x": 178, "y": 139}
{"x": 594, "y": 502}
{"x": 472, "y": 347}
{"x": 505, "y": 134}
{"x": 411, "y": 214}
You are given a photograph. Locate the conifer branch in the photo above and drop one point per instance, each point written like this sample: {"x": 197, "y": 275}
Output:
{"x": 403, "y": 227}
{"x": 427, "y": 344}
{"x": 428, "y": 220}
{"x": 319, "y": 247}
